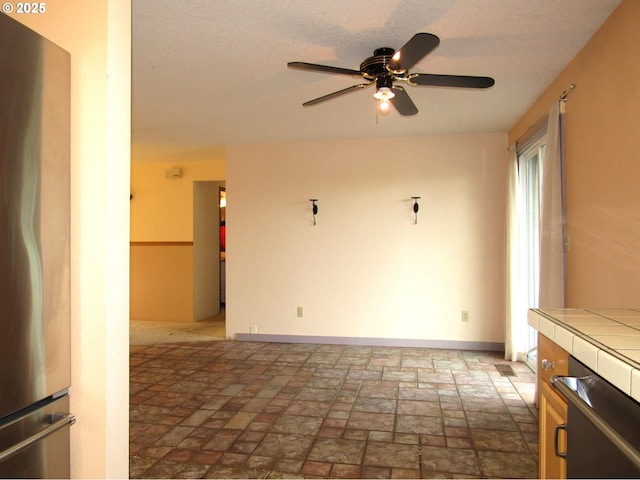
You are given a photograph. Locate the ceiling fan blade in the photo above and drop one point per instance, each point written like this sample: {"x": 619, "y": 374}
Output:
{"x": 413, "y": 51}
{"x": 336, "y": 94}
{"x": 324, "y": 68}
{"x": 402, "y": 102}
{"x": 462, "y": 81}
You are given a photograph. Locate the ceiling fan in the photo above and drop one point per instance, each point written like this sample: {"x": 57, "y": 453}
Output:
{"x": 387, "y": 66}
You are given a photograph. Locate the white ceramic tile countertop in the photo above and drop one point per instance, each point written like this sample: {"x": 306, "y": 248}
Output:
{"x": 605, "y": 340}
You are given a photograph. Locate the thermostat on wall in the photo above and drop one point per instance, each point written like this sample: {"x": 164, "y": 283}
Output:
{"x": 173, "y": 172}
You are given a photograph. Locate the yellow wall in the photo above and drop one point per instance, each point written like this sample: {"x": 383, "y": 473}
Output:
{"x": 162, "y": 282}
{"x": 602, "y": 162}
{"x": 98, "y": 36}
{"x": 162, "y": 209}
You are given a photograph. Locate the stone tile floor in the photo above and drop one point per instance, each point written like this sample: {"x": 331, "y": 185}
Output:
{"x": 228, "y": 409}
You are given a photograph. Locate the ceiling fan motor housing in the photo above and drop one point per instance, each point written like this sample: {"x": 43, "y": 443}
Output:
{"x": 376, "y": 65}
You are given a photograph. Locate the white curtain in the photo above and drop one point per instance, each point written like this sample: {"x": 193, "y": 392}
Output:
{"x": 552, "y": 233}
{"x": 552, "y": 258}
{"x": 515, "y": 341}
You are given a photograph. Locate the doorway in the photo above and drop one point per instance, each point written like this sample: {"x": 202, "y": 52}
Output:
{"x": 208, "y": 243}
{"x": 222, "y": 200}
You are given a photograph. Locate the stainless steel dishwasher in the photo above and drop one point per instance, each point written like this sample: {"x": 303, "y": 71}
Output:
{"x": 603, "y": 426}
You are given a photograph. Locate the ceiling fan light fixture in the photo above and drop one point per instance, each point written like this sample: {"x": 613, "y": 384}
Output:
{"x": 393, "y": 66}
{"x": 384, "y": 106}
{"x": 384, "y": 93}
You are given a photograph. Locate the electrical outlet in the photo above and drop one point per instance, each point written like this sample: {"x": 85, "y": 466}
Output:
{"x": 253, "y": 329}
{"x": 465, "y": 315}
{"x": 300, "y": 312}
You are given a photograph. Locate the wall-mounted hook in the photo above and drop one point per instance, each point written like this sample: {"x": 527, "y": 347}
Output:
{"x": 416, "y": 207}
{"x": 314, "y": 208}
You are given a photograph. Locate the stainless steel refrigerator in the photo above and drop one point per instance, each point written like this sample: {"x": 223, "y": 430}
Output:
{"x": 34, "y": 255}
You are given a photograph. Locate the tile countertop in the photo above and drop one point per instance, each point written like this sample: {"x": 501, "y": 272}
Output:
{"x": 605, "y": 340}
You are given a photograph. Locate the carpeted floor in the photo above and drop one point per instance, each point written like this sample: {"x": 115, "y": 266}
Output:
{"x": 146, "y": 332}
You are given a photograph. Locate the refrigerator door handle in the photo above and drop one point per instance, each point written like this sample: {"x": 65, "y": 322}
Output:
{"x": 59, "y": 420}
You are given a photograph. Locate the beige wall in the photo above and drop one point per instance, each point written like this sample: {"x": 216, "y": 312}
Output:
{"x": 602, "y": 163}
{"x": 98, "y": 36}
{"x": 366, "y": 270}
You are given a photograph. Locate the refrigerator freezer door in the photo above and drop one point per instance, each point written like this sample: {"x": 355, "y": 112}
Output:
{"x": 34, "y": 217}
{"x": 37, "y": 445}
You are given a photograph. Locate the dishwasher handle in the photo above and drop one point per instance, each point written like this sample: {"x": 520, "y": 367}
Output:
{"x": 58, "y": 421}
{"x": 562, "y": 384}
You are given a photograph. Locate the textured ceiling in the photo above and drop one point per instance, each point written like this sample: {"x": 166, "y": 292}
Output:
{"x": 208, "y": 73}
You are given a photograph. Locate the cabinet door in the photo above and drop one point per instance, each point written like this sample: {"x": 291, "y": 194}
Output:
{"x": 553, "y": 413}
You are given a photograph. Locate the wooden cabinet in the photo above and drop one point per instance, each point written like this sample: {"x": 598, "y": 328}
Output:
{"x": 552, "y": 360}
{"x": 553, "y": 413}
